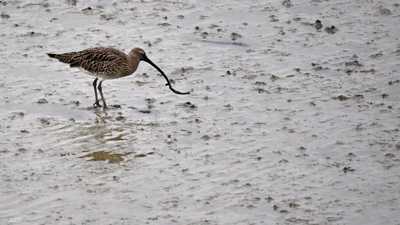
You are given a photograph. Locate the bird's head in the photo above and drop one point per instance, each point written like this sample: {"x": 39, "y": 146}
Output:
{"x": 138, "y": 53}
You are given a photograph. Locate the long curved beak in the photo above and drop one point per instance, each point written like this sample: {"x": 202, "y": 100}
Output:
{"x": 144, "y": 58}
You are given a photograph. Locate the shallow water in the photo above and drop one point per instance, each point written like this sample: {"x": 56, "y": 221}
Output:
{"x": 285, "y": 124}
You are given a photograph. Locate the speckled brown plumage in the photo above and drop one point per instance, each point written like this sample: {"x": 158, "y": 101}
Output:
{"x": 106, "y": 63}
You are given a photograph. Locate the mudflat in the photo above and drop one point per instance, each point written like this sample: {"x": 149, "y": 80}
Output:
{"x": 293, "y": 116}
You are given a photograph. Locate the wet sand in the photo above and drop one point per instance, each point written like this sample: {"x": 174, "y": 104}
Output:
{"x": 287, "y": 123}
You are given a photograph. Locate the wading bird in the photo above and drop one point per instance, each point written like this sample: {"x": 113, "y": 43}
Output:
{"x": 108, "y": 63}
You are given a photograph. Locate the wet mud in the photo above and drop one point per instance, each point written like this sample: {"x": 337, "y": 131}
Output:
{"x": 293, "y": 116}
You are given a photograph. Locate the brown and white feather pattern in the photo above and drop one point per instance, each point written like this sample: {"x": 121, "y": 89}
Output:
{"x": 107, "y": 63}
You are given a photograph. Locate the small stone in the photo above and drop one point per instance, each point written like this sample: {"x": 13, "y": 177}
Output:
{"x": 318, "y": 25}
{"x": 120, "y": 118}
{"x": 341, "y": 98}
{"x": 205, "y": 137}
{"x": 293, "y": 205}
{"x": 42, "y": 101}
{"x": 274, "y": 77}
{"x": 204, "y": 35}
{"x": 146, "y": 111}
{"x": 347, "y": 169}
{"x": 235, "y": 36}
{"x": 331, "y": 30}
{"x": 87, "y": 9}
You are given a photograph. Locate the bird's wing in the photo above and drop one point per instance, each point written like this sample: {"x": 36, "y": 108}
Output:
{"x": 98, "y": 60}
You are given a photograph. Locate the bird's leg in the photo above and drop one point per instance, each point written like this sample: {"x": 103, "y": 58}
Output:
{"x": 101, "y": 94}
{"x": 96, "y": 103}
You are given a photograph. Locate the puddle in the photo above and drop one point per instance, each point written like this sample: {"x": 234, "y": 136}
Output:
{"x": 105, "y": 156}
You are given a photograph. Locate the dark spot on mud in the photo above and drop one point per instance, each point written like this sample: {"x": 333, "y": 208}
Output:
{"x": 260, "y": 83}
{"x": 353, "y": 63}
{"x": 228, "y": 107}
{"x": 188, "y": 105}
{"x": 331, "y": 30}
{"x": 351, "y": 155}
{"x": 347, "y": 169}
{"x": 287, "y": 3}
{"x": 393, "y": 82}
{"x": 142, "y": 155}
{"x": 390, "y": 155}
{"x": 4, "y": 16}
{"x": 262, "y": 91}
{"x": 294, "y": 205}
{"x": 318, "y": 24}
{"x": 22, "y": 150}
{"x": 120, "y": 118}
{"x": 341, "y": 98}
{"x": 274, "y": 77}
{"x": 164, "y": 24}
{"x": 205, "y": 137}
{"x": 235, "y": 36}
{"x": 145, "y": 111}
{"x": 87, "y": 9}
{"x": 107, "y": 17}
{"x": 44, "y": 121}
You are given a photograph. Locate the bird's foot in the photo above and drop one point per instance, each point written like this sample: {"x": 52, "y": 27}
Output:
{"x": 96, "y": 104}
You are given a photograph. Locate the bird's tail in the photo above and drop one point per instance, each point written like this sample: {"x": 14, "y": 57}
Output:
{"x": 52, "y": 55}
{"x": 65, "y": 57}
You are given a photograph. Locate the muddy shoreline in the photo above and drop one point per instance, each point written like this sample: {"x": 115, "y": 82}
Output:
{"x": 290, "y": 120}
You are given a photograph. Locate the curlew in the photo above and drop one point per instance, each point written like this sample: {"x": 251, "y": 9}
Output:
{"x": 106, "y": 64}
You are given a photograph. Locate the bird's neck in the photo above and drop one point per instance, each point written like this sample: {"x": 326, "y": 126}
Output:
{"x": 133, "y": 62}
